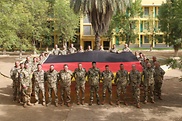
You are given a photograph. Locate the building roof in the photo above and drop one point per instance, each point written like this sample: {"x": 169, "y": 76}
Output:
{"x": 152, "y": 2}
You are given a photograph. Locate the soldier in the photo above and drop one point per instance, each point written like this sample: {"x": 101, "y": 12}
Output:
{"x": 154, "y": 59}
{"x": 101, "y": 48}
{"x": 19, "y": 84}
{"x": 148, "y": 74}
{"x": 89, "y": 48}
{"x": 34, "y": 64}
{"x": 80, "y": 75}
{"x": 26, "y": 82}
{"x": 28, "y": 61}
{"x": 65, "y": 77}
{"x": 121, "y": 81}
{"x": 158, "y": 78}
{"x": 55, "y": 50}
{"x": 64, "y": 51}
{"x": 126, "y": 48}
{"x": 14, "y": 74}
{"x": 94, "y": 80}
{"x": 107, "y": 76}
{"x": 135, "y": 80}
{"x": 52, "y": 81}
{"x": 72, "y": 49}
{"x": 38, "y": 81}
{"x": 113, "y": 49}
{"x": 81, "y": 49}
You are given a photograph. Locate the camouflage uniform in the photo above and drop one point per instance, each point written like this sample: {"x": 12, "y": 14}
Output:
{"x": 64, "y": 52}
{"x": 26, "y": 82}
{"x": 113, "y": 50}
{"x": 52, "y": 80}
{"x": 34, "y": 66}
{"x": 121, "y": 81}
{"x": 14, "y": 74}
{"x": 107, "y": 77}
{"x": 79, "y": 76}
{"x": 135, "y": 80}
{"x": 158, "y": 78}
{"x": 38, "y": 81}
{"x": 94, "y": 79}
{"x": 148, "y": 83}
{"x": 56, "y": 51}
{"x": 65, "y": 82}
{"x": 72, "y": 50}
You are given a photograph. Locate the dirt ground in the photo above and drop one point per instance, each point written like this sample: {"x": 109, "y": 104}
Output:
{"x": 169, "y": 109}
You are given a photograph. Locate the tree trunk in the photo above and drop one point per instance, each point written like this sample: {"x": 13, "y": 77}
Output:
{"x": 176, "y": 48}
{"x": 97, "y": 41}
{"x": 4, "y": 51}
{"x": 20, "y": 54}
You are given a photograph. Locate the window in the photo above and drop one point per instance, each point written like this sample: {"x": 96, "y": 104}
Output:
{"x": 86, "y": 20}
{"x": 86, "y": 30}
{"x": 146, "y": 39}
{"x": 146, "y": 11}
{"x": 160, "y": 39}
{"x": 146, "y": 25}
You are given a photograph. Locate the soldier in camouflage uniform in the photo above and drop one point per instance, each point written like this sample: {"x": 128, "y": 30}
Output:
{"x": 148, "y": 74}
{"x": 135, "y": 80}
{"x": 113, "y": 49}
{"x": 52, "y": 81}
{"x": 121, "y": 81}
{"x": 72, "y": 49}
{"x": 94, "y": 80}
{"x": 55, "y": 50}
{"x": 158, "y": 78}
{"x": 107, "y": 76}
{"x": 26, "y": 82}
{"x": 38, "y": 81}
{"x": 154, "y": 59}
{"x": 14, "y": 74}
{"x": 80, "y": 75}
{"x": 34, "y": 64}
{"x": 65, "y": 77}
{"x": 64, "y": 51}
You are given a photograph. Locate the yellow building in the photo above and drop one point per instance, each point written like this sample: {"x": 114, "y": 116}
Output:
{"x": 147, "y": 27}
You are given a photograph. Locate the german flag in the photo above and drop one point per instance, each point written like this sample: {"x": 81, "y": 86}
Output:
{"x": 86, "y": 58}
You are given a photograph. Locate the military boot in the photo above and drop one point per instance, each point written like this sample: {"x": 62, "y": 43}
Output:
{"x": 103, "y": 102}
{"x": 78, "y": 102}
{"x": 138, "y": 105}
{"x": 43, "y": 103}
{"x": 29, "y": 104}
{"x": 68, "y": 104}
{"x": 91, "y": 102}
{"x": 118, "y": 102}
{"x": 56, "y": 104}
{"x": 24, "y": 105}
{"x": 145, "y": 102}
{"x": 160, "y": 98}
{"x": 98, "y": 102}
{"x": 82, "y": 102}
{"x": 111, "y": 103}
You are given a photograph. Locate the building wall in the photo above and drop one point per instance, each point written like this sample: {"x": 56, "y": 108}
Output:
{"x": 146, "y": 27}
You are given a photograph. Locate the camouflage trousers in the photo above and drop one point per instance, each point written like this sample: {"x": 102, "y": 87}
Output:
{"x": 136, "y": 93}
{"x": 50, "y": 94}
{"x": 149, "y": 92}
{"x": 26, "y": 93}
{"x": 105, "y": 88}
{"x": 121, "y": 88}
{"x": 16, "y": 91}
{"x": 80, "y": 86}
{"x": 94, "y": 89}
{"x": 39, "y": 89}
{"x": 65, "y": 91}
{"x": 158, "y": 86}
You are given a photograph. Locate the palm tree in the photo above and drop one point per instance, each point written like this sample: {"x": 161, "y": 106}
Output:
{"x": 99, "y": 13}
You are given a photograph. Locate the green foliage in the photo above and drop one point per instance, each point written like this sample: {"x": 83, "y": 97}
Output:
{"x": 66, "y": 21}
{"x": 124, "y": 24}
{"x": 170, "y": 22}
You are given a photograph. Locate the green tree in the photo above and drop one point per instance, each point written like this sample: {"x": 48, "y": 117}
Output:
{"x": 99, "y": 13}
{"x": 66, "y": 21}
{"x": 125, "y": 24}
{"x": 170, "y": 23}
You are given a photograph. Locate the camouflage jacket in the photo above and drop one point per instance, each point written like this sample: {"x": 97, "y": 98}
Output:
{"x": 121, "y": 77}
{"x": 94, "y": 76}
{"x": 14, "y": 74}
{"x": 134, "y": 78}
{"x": 80, "y": 75}
{"x": 107, "y": 77}
{"x": 65, "y": 77}
{"x": 56, "y": 51}
{"x": 72, "y": 50}
{"x": 159, "y": 73}
{"x": 38, "y": 77}
{"x": 52, "y": 78}
{"x": 148, "y": 76}
{"x": 25, "y": 78}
